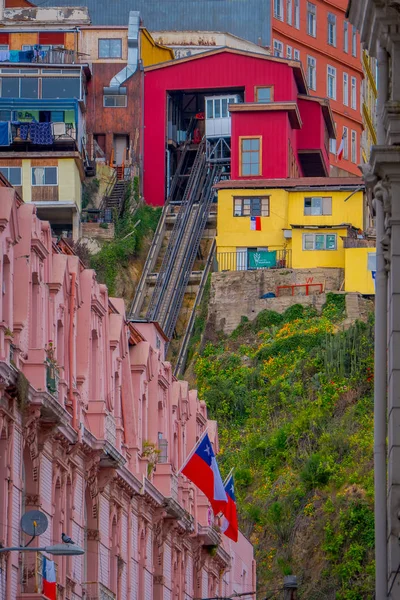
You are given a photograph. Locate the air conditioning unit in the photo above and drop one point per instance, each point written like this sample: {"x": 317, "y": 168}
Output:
{"x": 287, "y": 234}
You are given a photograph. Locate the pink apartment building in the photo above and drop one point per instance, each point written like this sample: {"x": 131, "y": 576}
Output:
{"x": 93, "y": 430}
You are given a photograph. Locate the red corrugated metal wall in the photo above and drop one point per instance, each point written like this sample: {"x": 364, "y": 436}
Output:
{"x": 224, "y": 70}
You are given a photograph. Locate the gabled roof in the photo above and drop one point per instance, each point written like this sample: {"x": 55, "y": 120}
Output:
{"x": 295, "y": 64}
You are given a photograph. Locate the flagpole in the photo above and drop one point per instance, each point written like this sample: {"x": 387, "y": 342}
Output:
{"x": 201, "y": 438}
{"x": 230, "y": 474}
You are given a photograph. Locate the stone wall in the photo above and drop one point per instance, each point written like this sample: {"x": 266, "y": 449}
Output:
{"x": 238, "y": 293}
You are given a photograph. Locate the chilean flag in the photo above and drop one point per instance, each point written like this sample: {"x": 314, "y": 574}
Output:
{"x": 339, "y": 155}
{"x": 49, "y": 579}
{"x": 255, "y": 223}
{"x": 203, "y": 471}
{"x": 230, "y": 525}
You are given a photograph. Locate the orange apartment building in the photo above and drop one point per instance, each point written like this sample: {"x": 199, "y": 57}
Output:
{"x": 317, "y": 34}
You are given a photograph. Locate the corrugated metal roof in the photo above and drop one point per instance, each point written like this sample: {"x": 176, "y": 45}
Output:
{"x": 249, "y": 19}
{"x": 301, "y": 182}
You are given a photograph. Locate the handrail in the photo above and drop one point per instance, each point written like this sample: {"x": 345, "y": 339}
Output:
{"x": 181, "y": 360}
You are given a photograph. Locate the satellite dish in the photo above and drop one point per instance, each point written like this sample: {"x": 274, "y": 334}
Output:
{"x": 34, "y": 523}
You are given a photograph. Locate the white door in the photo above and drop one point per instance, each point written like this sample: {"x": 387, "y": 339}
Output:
{"x": 241, "y": 259}
{"x": 120, "y": 146}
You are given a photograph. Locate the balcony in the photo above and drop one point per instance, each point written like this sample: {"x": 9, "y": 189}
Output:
{"x": 253, "y": 261}
{"x": 43, "y": 55}
{"x": 97, "y": 591}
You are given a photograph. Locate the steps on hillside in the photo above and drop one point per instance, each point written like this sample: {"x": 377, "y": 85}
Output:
{"x": 352, "y": 307}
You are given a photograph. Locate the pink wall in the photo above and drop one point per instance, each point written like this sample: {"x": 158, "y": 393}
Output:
{"x": 222, "y": 70}
{"x": 77, "y": 438}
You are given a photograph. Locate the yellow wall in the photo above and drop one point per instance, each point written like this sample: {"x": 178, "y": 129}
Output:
{"x": 69, "y": 181}
{"x": 287, "y": 209}
{"x": 350, "y": 211}
{"x": 152, "y": 53}
{"x": 234, "y": 232}
{"x": 357, "y": 277}
{"x": 17, "y": 40}
{"x": 312, "y": 259}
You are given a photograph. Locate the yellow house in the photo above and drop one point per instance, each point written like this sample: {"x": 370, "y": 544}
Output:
{"x": 294, "y": 223}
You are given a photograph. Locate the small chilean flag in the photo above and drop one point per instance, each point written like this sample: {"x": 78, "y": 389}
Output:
{"x": 202, "y": 469}
{"x": 339, "y": 155}
{"x": 230, "y": 525}
{"x": 255, "y": 223}
{"x": 49, "y": 579}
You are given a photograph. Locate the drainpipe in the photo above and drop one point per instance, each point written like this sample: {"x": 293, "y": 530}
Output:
{"x": 380, "y": 375}
{"x": 10, "y": 513}
{"x": 133, "y": 57}
{"x": 71, "y": 395}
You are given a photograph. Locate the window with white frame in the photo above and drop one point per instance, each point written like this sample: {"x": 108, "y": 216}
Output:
{"x": 296, "y": 54}
{"x": 345, "y": 89}
{"x": 346, "y": 143}
{"x": 278, "y": 49}
{"x": 289, "y": 11}
{"x": 43, "y": 176}
{"x": 311, "y": 19}
{"x": 353, "y": 146}
{"x": 297, "y": 14}
{"x": 331, "y": 29}
{"x": 316, "y": 206}
{"x": 354, "y": 93}
{"x": 13, "y": 174}
{"x": 111, "y": 48}
{"x": 332, "y": 146}
{"x": 4, "y": 47}
{"x": 278, "y": 9}
{"x": 354, "y": 41}
{"x": 319, "y": 241}
{"x": 312, "y": 72}
{"x": 289, "y": 52}
{"x": 345, "y": 36}
{"x": 251, "y": 206}
{"x": 115, "y": 101}
{"x": 331, "y": 83}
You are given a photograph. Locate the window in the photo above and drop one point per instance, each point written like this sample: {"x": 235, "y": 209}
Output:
{"x": 289, "y": 52}
{"x": 29, "y": 87}
{"x": 278, "y": 9}
{"x": 250, "y": 154}
{"x": 251, "y": 207}
{"x": 354, "y": 41}
{"x": 289, "y": 11}
{"x": 42, "y": 176}
{"x": 317, "y": 206}
{"x": 331, "y": 29}
{"x": 345, "y": 143}
{"x": 345, "y": 36}
{"x": 113, "y": 101}
{"x": 110, "y": 48}
{"x": 4, "y": 47}
{"x": 332, "y": 146}
{"x": 354, "y": 146}
{"x": 319, "y": 241}
{"x": 61, "y": 87}
{"x": 264, "y": 94}
{"x": 13, "y": 174}
{"x": 312, "y": 72}
{"x": 345, "y": 89}
{"x": 6, "y": 115}
{"x": 296, "y": 54}
{"x": 218, "y": 107}
{"x": 311, "y": 19}
{"x": 354, "y": 93}
{"x": 278, "y": 48}
{"x": 331, "y": 83}
{"x": 297, "y": 14}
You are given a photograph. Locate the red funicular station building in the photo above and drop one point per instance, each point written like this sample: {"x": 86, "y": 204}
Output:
{"x": 255, "y": 110}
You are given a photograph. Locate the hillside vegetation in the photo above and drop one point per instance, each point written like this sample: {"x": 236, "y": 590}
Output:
{"x": 293, "y": 397}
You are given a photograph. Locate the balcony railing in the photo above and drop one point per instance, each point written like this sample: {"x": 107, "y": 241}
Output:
{"x": 41, "y": 134}
{"x": 97, "y": 591}
{"x": 32, "y": 573}
{"x": 52, "y": 378}
{"x": 253, "y": 261}
{"x": 40, "y": 55}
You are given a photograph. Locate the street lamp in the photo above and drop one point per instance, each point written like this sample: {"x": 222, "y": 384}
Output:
{"x": 35, "y": 523}
{"x": 56, "y": 550}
